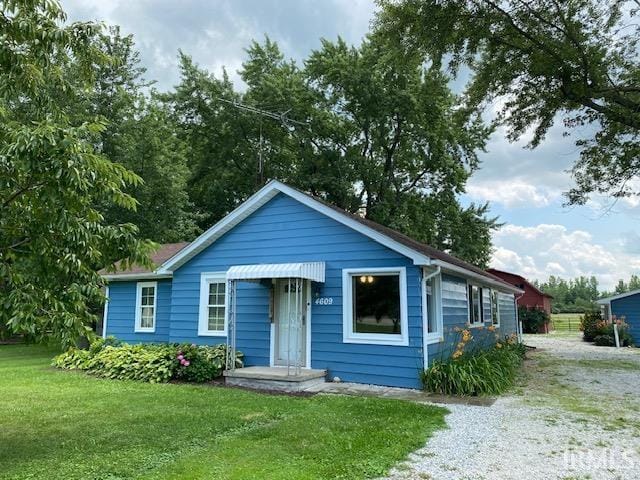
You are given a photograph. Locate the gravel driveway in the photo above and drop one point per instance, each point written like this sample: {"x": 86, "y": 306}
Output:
{"x": 576, "y": 415}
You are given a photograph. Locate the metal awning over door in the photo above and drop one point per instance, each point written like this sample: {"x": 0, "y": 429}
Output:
{"x": 313, "y": 271}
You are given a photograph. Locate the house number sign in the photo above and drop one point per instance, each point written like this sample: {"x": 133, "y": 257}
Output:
{"x": 324, "y": 301}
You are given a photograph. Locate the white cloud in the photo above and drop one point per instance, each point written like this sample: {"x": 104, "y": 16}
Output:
{"x": 512, "y": 193}
{"x": 549, "y": 249}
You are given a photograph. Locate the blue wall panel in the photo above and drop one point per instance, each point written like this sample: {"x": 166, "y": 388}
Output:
{"x": 281, "y": 231}
{"x": 122, "y": 309}
{"x": 629, "y": 308}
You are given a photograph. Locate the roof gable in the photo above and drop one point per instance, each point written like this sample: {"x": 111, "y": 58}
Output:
{"x": 419, "y": 253}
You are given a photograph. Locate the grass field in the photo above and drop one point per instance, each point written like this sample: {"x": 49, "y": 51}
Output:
{"x": 60, "y": 424}
{"x": 566, "y": 322}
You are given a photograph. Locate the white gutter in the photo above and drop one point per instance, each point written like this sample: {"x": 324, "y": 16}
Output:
{"x": 123, "y": 277}
{"x": 468, "y": 273}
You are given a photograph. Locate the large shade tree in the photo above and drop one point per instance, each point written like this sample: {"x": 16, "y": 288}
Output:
{"x": 574, "y": 60}
{"x": 52, "y": 238}
{"x": 377, "y": 135}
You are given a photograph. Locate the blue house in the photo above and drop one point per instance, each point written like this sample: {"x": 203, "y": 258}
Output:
{"x": 627, "y": 306}
{"x": 304, "y": 289}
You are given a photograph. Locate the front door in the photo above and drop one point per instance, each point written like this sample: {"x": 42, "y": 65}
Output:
{"x": 290, "y": 322}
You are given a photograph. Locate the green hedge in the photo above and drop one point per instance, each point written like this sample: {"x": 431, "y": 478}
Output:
{"x": 489, "y": 371}
{"x": 596, "y": 329}
{"x": 154, "y": 363}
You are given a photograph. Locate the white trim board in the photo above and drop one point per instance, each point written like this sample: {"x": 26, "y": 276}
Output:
{"x": 105, "y": 312}
{"x": 348, "y": 335}
{"x": 605, "y": 301}
{"x": 138, "y": 316}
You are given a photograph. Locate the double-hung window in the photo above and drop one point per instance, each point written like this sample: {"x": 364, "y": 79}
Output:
{"x": 375, "y": 306}
{"x": 146, "y": 293}
{"x": 432, "y": 310}
{"x": 474, "y": 297}
{"x": 213, "y": 304}
{"x": 495, "y": 309}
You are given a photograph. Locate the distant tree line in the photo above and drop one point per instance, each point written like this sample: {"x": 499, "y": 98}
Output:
{"x": 580, "y": 294}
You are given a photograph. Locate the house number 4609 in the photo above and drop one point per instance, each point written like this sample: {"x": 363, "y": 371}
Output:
{"x": 324, "y": 301}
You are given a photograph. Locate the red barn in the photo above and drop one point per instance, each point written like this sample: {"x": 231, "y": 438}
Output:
{"x": 532, "y": 297}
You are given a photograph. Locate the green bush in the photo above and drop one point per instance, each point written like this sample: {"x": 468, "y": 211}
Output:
{"x": 481, "y": 372}
{"x": 154, "y": 363}
{"x": 147, "y": 363}
{"x": 590, "y": 325}
{"x": 532, "y": 319}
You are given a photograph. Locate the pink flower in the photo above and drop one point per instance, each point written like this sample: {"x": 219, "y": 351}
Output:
{"x": 183, "y": 362}
{"x": 180, "y": 357}
{"x": 186, "y": 363}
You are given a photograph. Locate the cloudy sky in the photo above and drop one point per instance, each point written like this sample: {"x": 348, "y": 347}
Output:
{"x": 524, "y": 187}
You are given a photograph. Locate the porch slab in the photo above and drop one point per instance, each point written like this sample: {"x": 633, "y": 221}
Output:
{"x": 275, "y": 378}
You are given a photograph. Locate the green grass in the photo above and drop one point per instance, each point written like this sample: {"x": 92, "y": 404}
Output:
{"x": 59, "y": 424}
{"x": 568, "y": 322}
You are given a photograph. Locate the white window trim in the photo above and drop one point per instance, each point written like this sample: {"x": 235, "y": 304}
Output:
{"x": 497, "y": 294}
{"x": 348, "y": 335}
{"x": 436, "y": 293}
{"x": 479, "y": 324}
{"x": 139, "y": 286}
{"x": 207, "y": 278}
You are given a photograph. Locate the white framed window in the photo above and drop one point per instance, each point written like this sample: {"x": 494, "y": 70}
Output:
{"x": 495, "y": 308}
{"x": 212, "y": 319}
{"x": 475, "y": 307}
{"x": 432, "y": 309}
{"x": 374, "y": 302}
{"x": 146, "y": 296}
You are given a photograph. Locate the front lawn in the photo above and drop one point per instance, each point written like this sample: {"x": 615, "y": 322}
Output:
{"x": 58, "y": 424}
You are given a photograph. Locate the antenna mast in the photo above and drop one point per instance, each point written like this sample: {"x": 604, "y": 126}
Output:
{"x": 285, "y": 121}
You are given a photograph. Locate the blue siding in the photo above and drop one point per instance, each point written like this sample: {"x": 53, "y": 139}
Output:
{"x": 284, "y": 230}
{"x": 455, "y": 315}
{"x": 122, "y": 308}
{"x": 629, "y": 308}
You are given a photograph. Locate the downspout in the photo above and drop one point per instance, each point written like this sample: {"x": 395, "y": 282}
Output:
{"x": 518, "y": 322}
{"x": 436, "y": 272}
{"x": 105, "y": 312}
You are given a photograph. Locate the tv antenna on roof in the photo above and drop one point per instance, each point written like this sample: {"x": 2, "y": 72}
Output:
{"x": 285, "y": 121}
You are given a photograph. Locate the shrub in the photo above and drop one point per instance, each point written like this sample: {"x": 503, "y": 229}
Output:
{"x": 601, "y": 332}
{"x": 147, "y": 363}
{"x": 152, "y": 363}
{"x": 532, "y": 319}
{"x": 72, "y": 359}
{"x": 589, "y": 325}
{"x": 481, "y": 372}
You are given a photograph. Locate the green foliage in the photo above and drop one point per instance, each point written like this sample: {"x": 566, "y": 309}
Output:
{"x": 578, "y": 60}
{"x": 384, "y": 137}
{"x": 601, "y": 332}
{"x": 532, "y": 318}
{"x": 141, "y": 136}
{"x": 52, "y": 236}
{"x": 154, "y": 363}
{"x": 489, "y": 371}
{"x": 576, "y": 295}
{"x": 200, "y": 364}
{"x": 589, "y": 324}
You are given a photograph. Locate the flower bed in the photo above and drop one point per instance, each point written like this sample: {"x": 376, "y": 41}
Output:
{"x": 487, "y": 369}
{"x": 154, "y": 363}
{"x": 601, "y": 332}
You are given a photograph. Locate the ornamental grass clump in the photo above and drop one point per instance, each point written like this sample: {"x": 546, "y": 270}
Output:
{"x": 153, "y": 363}
{"x": 485, "y": 370}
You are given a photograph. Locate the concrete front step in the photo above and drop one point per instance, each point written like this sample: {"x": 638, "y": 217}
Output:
{"x": 275, "y": 378}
